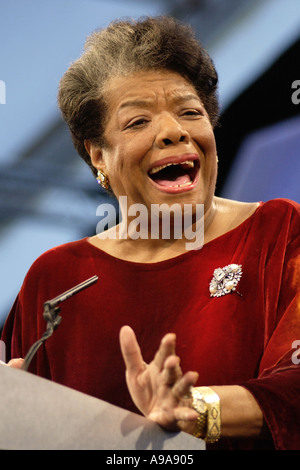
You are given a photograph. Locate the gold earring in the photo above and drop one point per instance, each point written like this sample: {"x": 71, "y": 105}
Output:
{"x": 102, "y": 179}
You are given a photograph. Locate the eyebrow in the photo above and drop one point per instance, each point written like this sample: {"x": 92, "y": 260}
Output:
{"x": 188, "y": 97}
{"x": 138, "y": 102}
{"x": 147, "y": 102}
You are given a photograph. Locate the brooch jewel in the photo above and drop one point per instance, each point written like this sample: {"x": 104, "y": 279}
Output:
{"x": 225, "y": 280}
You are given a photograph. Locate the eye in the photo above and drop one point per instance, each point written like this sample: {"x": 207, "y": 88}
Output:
{"x": 136, "y": 123}
{"x": 192, "y": 112}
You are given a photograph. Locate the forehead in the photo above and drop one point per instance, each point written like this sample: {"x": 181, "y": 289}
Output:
{"x": 145, "y": 88}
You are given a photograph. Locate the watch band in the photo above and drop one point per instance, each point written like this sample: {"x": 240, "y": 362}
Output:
{"x": 212, "y": 415}
{"x": 199, "y": 405}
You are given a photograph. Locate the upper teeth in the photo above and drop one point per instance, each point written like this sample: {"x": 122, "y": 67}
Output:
{"x": 188, "y": 163}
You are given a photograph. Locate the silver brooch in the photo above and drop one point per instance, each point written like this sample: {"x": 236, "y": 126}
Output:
{"x": 225, "y": 280}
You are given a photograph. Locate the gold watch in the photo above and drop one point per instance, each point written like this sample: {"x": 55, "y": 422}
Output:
{"x": 207, "y": 403}
{"x": 200, "y": 406}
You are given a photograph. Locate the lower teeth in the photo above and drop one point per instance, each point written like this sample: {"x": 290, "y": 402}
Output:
{"x": 185, "y": 184}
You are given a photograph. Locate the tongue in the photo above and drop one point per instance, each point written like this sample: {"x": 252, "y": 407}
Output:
{"x": 178, "y": 181}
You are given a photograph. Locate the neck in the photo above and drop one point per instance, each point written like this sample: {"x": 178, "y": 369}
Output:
{"x": 160, "y": 236}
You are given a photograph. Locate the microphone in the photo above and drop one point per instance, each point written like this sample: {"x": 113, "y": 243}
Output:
{"x": 50, "y": 314}
{"x": 62, "y": 297}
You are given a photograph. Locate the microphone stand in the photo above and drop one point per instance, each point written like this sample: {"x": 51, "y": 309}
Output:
{"x": 53, "y": 319}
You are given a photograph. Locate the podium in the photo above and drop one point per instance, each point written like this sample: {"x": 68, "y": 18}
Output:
{"x": 37, "y": 414}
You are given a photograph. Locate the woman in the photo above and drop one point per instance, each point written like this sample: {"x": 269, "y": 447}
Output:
{"x": 141, "y": 104}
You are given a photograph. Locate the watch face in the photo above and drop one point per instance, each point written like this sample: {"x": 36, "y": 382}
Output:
{"x": 200, "y": 405}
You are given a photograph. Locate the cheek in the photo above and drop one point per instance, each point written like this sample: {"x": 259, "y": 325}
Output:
{"x": 112, "y": 159}
{"x": 208, "y": 146}
{"x": 133, "y": 153}
{"x": 209, "y": 154}
{"x": 119, "y": 163}
{"x": 209, "y": 139}
{"x": 204, "y": 136}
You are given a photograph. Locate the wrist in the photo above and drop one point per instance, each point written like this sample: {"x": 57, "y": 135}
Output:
{"x": 241, "y": 414}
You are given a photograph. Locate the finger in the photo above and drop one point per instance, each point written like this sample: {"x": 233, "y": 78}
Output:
{"x": 172, "y": 370}
{"x": 185, "y": 414}
{"x": 182, "y": 413}
{"x": 166, "y": 349}
{"x": 130, "y": 350}
{"x": 182, "y": 387}
{"x": 15, "y": 363}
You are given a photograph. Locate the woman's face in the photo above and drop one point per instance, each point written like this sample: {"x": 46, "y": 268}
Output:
{"x": 160, "y": 145}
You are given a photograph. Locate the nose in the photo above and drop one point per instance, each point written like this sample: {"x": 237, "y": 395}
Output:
{"x": 170, "y": 132}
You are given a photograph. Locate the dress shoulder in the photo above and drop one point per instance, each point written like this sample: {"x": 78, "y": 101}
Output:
{"x": 59, "y": 257}
{"x": 279, "y": 215}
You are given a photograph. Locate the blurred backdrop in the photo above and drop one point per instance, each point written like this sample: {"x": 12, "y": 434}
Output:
{"x": 47, "y": 194}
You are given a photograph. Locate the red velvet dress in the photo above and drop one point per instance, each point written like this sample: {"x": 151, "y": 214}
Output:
{"x": 245, "y": 339}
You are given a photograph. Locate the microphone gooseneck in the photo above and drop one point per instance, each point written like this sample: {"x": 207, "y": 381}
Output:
{"x": 52, "y": 317}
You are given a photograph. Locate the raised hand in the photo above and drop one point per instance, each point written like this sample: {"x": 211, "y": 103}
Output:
{"x": 159, "y": 389}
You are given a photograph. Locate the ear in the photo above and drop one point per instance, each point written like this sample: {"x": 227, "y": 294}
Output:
{"x": 96, "y": 154}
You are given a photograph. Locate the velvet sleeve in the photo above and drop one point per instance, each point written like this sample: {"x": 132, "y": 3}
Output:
{"x": 277, "y": 387}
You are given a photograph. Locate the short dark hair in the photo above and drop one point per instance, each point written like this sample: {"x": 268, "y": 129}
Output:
{"x": 124, "y": 47}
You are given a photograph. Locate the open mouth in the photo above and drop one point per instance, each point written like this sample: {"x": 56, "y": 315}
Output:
{"x": 175, "y": 176}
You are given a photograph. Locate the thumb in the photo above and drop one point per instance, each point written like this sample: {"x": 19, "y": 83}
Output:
{"x": 15, "y": 363}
